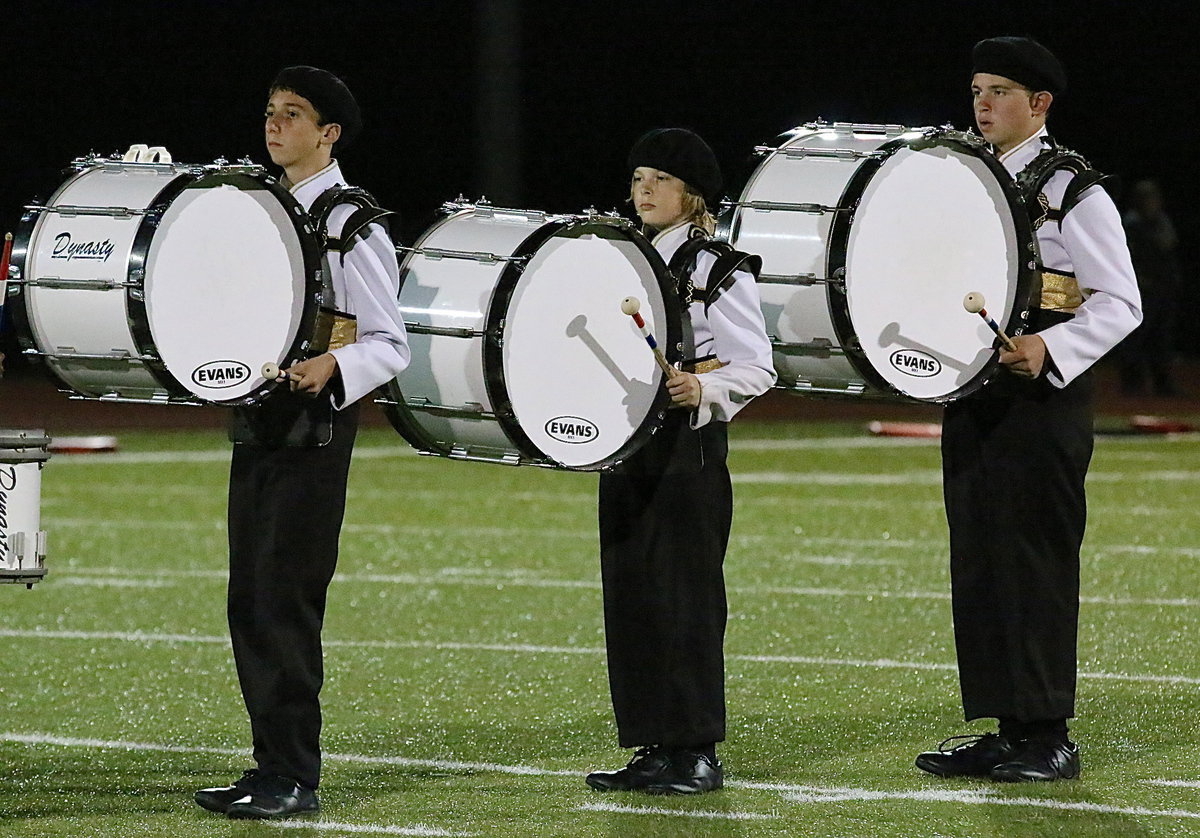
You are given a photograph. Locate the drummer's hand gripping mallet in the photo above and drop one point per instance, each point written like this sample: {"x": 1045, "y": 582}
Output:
{"x": 973, "y": 303}
{"x": 631, "y": 306}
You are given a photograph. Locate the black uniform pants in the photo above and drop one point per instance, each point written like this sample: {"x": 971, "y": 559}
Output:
{"x": 1014, "y": 462}
{"x": 664, "y": 526}
{"x": 285, "y": 515}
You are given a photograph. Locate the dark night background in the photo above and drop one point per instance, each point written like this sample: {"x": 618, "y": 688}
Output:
{"x": 535, "y": 104}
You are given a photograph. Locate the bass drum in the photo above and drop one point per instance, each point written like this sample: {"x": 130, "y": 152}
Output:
{"x": 520, "y": 351}
{"x": 162, "y": 282}
{"x": 22, "y": 539}
{"x": 871, "y": 236}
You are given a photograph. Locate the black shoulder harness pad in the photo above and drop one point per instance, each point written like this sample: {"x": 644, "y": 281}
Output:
{"x": 368, "y": 212}
{"x": 720, "y": 278}
{"x": 1033, "y": 178}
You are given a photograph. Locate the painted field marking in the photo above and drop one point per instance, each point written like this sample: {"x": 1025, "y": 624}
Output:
{"x": 451, "y": 576}
{"x": 932, "y": 477}
{"x": 376, "y": 452}
{"x": 618, "y": 808}
{"x": 1179, "y": 784}
{"x": 797, "y": 793}
{"x": 208, "y": 455}
{"x": 794, "y": 539}
{"x": 535, "y": 649}
{"x": 818, "y": 794}
{"x": 420, "y": 830}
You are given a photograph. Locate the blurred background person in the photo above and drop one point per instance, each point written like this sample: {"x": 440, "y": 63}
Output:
{"x": 1146, "y": 354}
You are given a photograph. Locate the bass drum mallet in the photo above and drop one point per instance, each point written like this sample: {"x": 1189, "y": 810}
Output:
{"x": 973, "y": 303}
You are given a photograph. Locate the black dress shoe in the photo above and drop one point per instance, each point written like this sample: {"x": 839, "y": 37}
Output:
{"x": 689, "y": 773}
{"x": 274, "y": 797}
{"x": 1039, "y": 761}
{"x": 973, "y": 758}
{"x": 658, "y": 770}
{"x": 647, "y": 764}
{"x": 218, "y": 798}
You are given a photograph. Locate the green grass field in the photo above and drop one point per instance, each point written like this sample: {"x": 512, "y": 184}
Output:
{"x": 466, "y": 691}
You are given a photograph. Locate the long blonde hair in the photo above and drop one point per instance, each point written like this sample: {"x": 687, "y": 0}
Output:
{"x": 695, "y": 209}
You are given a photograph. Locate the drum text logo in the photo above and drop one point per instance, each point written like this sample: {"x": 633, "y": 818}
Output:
{"x": 8, "y": 483}
{"x": 916, "y": 363}
{"x": 572, "y": 429}
{"x": 217, "y": 375}
{"x": 64, "y": 248}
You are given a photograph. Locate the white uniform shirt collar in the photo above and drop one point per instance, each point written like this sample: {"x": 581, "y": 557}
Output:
{"x": 672, "y": 237}
{"x": 1020, "y": 156}
{"x": 309, "y": 189}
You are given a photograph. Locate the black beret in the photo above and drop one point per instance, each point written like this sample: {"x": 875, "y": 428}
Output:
{"x": 679, "y": 152}
{"x": 328, "y": 94}
{"x": 1023, "y": 60}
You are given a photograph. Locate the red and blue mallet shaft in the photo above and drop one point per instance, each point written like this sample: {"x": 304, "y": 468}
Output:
{"x": 973, "y": 303}
{"x": 631, "y": 306}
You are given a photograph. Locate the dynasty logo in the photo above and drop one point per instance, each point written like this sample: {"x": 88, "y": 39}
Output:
{"x": 65, "y": 248}
{"x": 8, "y": 484}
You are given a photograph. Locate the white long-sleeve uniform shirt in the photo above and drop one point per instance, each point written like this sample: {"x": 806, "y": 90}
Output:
{"x": 732, "y": 329}
{"x": 365, "y": 286}
{"x": 1091, "y": 245}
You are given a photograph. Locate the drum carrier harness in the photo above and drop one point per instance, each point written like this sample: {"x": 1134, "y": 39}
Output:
{"x": 339, "y": 326}
{"x": 720, "y": 279}
{"x": 1060, "y": 291}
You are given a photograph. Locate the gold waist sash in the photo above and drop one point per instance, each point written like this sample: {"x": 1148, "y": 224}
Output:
{"x": 344, "y": 332}
{"x": 333, "y": 330}
{"x": 1060, "y": 292}
{"x": 700, "y": 367}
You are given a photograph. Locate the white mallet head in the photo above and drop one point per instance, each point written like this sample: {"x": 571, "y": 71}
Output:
{"x": 973, "y": 302}
{"x": 270, "y": 371}
{"x": 631, "y": 306}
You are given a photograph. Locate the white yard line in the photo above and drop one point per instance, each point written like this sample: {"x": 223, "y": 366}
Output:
{"x": 818, "y": 794}
{"x": 420, "y": 830}
{"x": 617, "y": 808}
{"x": 210, "y": 455}
{"x": 933, "y": 477}
{"x": 536, "y": 649}
{"x": 1179, "y": 784}
{"x": 100, "y": 576}
{"x": 796, "y": 793}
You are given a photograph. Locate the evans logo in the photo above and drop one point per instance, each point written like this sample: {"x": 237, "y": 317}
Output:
{"x": 572, "y": 429}
{"x": 916, "y": 363}
{"x": 217, "y": 375}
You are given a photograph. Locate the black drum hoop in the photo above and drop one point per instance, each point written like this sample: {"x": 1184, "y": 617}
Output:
{"x": 493, "y": 347}
{"x": 246, "y": 179}
{"x": 137, "y": 316}
{"x": 838, "y": 245}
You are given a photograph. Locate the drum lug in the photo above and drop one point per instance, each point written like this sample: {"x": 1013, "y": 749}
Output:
{"x": 838, "y": 280}
{"x": 135, "y": 285}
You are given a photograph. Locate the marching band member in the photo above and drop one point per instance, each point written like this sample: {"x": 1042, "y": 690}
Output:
{"x": 1015, "y": 455}
{"x": 665, "y": 513}
{"x": 287, "y": 484}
